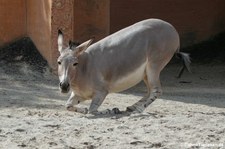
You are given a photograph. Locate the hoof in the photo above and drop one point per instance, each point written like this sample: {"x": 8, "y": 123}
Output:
{"x": 116, "y": 111}
{"x": 130, "y": 109}
{"x": 76, "y": 109}
{"x": 71, "y": 108}
{"x": 82, "y": 110}
{"x": 133, "y": 109}
{"x": 93, "y": 112}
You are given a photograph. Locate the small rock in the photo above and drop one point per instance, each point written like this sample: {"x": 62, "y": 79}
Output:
{"x": 52, "y": 143}
{"x": 123, "y": 127}
{"x": 90, "y": 147}
{"x": 22, "y": 145}
{"x": 211, "y": 136}
{"x": 52, "y": 125}
{"x": 136, "y": 142}
{"x": 33, "y": 139}
{"x": 20, "y": 130}
{"x": 86, "y": 143}
{"x": 9, "y": 116}
{"x": 157, "y": 145}
{"x": 110, "y": 129}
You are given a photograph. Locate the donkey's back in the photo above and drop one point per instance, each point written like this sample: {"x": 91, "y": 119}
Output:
{"x": 124, "y": 56}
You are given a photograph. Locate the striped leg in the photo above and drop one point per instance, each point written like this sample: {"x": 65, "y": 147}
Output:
{"x": 154, "y": 90}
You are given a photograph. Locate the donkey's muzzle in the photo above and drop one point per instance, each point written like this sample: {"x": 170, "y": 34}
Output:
{"x": 65, "y": 87}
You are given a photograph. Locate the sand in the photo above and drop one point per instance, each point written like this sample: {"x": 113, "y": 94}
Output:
{"x": 189, "y": 114}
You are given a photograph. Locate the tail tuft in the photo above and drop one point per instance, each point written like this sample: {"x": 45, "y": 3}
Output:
{"x": 186, "y": 62}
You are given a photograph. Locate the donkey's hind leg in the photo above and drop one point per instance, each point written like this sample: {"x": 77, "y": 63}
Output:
{"x": 154, "y": 90}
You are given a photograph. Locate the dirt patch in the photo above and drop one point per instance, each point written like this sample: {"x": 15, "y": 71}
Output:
{"x": 23, "y": 51}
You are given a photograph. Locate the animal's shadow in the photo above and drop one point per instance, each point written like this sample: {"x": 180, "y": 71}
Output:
{"x": 123, "y": 114}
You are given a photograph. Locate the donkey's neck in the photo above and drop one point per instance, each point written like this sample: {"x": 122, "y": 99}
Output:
{"x": 82, "y": 76}
{"x": 83, "y": 62}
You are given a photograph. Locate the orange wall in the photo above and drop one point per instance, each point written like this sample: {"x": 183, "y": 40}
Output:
{"x": 83, "y": 19}
{"x": 39, "y": 25}
{"x": 12, "y": 20}
{"x": 19, "y": 18}
{"x": 195, "y": 20}
{"x": 91, "y": 19}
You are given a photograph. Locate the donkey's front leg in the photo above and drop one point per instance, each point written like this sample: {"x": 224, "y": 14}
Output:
{"x": 70, "y": 102}
{"x": 97, "y": 101}
{"x": 74, "y": 100}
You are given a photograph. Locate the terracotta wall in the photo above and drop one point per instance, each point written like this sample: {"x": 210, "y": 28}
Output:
{"x": 62, "y": 12}
{"x": 19, "y": 18}
{"x": 79, "y": 20}
{"x": 194, "y": 20}
{"x": 83, "y": 19}
{"x": 91, "y": 19}
{"x": 12, "y": 20}
{"x": 39, "y": 26}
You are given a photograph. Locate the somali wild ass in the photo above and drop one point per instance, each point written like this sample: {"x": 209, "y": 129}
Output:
{"x": 118, "y": 62}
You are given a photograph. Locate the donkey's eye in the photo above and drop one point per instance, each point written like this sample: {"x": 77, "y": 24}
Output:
{"x": 59, "y": 62}
{"x": 75, "y": 64}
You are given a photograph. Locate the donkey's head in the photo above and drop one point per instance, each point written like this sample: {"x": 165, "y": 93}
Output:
{"x": 68, "y": 61}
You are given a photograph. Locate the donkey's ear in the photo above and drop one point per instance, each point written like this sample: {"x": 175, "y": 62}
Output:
{"x": 60, "y": 41}
{"x": 82, "y": 47}
{"x": 73, "y": 44}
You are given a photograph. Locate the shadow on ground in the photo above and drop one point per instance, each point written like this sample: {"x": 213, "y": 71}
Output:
{"x": 25, "y": 79}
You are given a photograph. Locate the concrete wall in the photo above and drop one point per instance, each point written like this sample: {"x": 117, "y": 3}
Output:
{"x": 12, "y": 20}
{"x": 194, "y": 20}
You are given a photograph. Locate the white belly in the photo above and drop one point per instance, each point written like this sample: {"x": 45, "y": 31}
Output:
{"x": 129, "y": 80}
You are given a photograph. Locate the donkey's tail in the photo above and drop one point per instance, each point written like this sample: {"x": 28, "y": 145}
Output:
{"x": 186, "y": 62}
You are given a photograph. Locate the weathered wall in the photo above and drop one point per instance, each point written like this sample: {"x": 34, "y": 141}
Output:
{"x": 194, "y": 20}
{"x": 79, "y": 20}
{"x": 62, "y": 18}
{"x": 91, "y": 19}
{"x": 39, "y": 26}
{"x": 83, "y": 19}
{"x": 12, "y": 20}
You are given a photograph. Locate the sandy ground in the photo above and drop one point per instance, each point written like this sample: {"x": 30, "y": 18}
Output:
{"x": 189, "y": 114}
